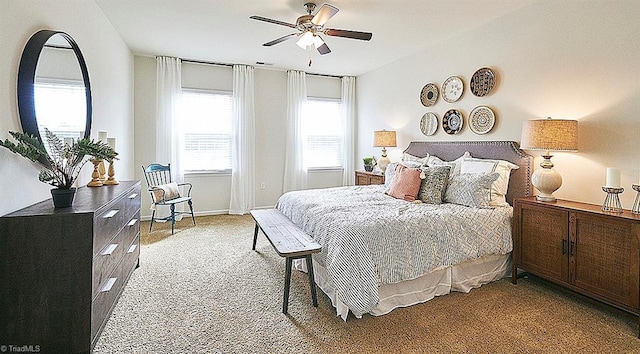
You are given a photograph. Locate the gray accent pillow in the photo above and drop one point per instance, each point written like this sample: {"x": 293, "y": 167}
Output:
{"x": 470, "y": 189}
{"x": 434, "y": 184}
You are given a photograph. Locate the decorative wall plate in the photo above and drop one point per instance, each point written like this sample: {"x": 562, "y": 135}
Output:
{"x": 481, "y": 120}
{"x": 452, "y": 89}
{"x": 429, "y": 94}
{"x": 482, "y": 82}
{"x": 429, "y": 123}
{"x": 452, "y": 121}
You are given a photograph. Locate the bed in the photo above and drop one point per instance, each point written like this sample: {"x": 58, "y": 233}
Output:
{"x": 380, "y": 253}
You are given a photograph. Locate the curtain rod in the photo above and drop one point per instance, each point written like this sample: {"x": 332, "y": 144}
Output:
{"x": 231, "y": 65}
{"x": 205, "y": 62}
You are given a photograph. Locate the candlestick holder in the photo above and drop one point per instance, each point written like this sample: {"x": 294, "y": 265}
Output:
{"x": 612, "y": 200}
{"x": 636, "y": 203}
{"x": 95, "y": 175}
{"x": 102, "y": 171}
{"x": 112, "y": 173}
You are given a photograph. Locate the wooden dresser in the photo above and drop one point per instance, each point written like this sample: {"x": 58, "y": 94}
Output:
{"x": 63, "y": 270}
{"x": 365, "y": 178}
{"x": 580, "y": 247}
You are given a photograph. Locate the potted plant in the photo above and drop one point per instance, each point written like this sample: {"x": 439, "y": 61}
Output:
{"x": 61, "y": 165}
{"x": 369, "y": 163}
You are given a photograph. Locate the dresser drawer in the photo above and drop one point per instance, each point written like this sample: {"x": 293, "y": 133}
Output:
{"x": 131, "y": 230}
{"x": 106, "y": 261}
{"x": 105, "y": 300}
{"x": 130, "y": 259}
{"x": 132, "y": 204}
{"x": 108, "y": 223}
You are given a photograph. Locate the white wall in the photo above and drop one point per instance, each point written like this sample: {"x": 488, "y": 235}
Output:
{"x": 211, "y": 192}
{"x": 110, "y": 66}
{"x": 564, "y": 59}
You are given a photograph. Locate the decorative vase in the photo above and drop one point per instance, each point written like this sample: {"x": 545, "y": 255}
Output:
{"x": 63, "y": 198}
{"x": 368, "y": 168}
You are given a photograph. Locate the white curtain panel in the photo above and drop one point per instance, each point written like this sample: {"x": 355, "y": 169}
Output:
{"x": 295, "y": 172}
{"x": 168, "y": 90}
{"x": 348, "y": 118}
{"x": 243, "y": 143}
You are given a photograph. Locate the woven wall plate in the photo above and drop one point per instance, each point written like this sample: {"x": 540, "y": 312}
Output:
{"x": 482, "y": 82}
{"x": 429, "y": 123}
{"x": 429, "y": 94}
{"x": 481, "y": 120}
{"x": 452, "y": 89}
{"x": 452, "y": 121}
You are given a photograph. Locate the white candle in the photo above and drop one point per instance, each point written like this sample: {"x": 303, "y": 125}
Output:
{"x": 112, "y": 143}
{"x": 102, "y": 136}
{"x": 613, "y": 177}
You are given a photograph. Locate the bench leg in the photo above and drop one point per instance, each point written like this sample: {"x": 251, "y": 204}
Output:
{"x": 312, "y": 282}
{"x": 255, "y": 236}
{"x": 287, "y": 283}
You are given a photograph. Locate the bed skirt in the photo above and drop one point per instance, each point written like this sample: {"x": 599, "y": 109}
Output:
{"x": 461, "y": 277}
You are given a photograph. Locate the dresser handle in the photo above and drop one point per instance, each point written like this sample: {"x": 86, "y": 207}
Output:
{"x": 132, "y": 248}
{"x": 109, "y": 250}
{"x": 132, "y": 222}
{"x": 108, "y": 285}
{"x": 110, "y": 214}
{"x": 133, "y": 195}
{"x": 564, "y": 247}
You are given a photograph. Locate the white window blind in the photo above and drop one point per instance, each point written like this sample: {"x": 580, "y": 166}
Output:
{"x": 322, "y": 130}
{"x": 61, "y": 107}
{"x": 205, "y": 119}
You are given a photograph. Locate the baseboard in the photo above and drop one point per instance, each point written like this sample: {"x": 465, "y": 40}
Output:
{"x": 206, "y": 213}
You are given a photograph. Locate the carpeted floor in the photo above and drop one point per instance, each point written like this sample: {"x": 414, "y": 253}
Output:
{"x": 203, "y": 290}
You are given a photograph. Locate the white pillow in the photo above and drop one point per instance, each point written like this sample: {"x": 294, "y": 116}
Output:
{"x": 455, "y": 164}
{"x": 171, "y": 191}
{"x": 485, "y": 166}
{"x": 407, "y": 158}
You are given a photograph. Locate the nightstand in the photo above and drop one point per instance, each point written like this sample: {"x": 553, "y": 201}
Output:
{"x": 579, "y": 247}
{"x": 364, "y": 178}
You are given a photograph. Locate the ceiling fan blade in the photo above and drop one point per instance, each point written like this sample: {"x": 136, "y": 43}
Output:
{"x": 323, "y": 15}
{"x": 365, "y": 36}
{"x": 324, "y": 49}
{"x": 260, "y": 18}
{"x": 279, "y": 40}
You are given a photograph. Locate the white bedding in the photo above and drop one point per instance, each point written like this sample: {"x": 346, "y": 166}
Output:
{"x": 371, "y": 240}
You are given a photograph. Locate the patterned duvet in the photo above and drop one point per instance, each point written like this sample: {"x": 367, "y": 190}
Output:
{"x": 369, "y": 238}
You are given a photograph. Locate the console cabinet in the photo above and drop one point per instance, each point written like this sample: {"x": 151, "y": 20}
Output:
{"x": 580, "y": 247}
{"x": 63, "y": 270}
{"x": 364, "y": 178}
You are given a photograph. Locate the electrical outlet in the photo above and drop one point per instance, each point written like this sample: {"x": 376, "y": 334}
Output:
{"x": 263, "y": 185}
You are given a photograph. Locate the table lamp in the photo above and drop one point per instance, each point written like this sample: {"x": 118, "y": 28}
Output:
{"x": 384, "y": 139}
{"x": 548, "y": 134}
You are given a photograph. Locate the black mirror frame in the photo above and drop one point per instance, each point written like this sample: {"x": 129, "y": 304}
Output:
{"x": 27, "y": 76}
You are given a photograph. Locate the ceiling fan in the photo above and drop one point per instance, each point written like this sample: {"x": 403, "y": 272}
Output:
{"x": 311, "y": 26}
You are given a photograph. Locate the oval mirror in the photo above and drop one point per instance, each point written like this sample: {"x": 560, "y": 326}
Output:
{"x": 53, "y": 87}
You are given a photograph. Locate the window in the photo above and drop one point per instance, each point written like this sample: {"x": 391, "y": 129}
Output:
{"x": 61, "y": 107}
{"x": 205, "y": 119}
{"x": 323, "y": 133}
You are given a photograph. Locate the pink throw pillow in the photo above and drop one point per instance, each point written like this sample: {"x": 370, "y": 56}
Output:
{"x": 405, "y": 184}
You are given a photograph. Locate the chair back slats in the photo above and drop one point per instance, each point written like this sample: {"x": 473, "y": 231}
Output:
{"x": 157, "y": 174}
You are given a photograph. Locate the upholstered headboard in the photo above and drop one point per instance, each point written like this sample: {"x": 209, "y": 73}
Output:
{"x": 520, "y": 180}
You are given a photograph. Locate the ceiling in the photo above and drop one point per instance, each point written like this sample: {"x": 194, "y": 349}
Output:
{"x": 220, "y": 30}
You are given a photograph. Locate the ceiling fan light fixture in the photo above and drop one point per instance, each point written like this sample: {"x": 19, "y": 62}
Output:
{"x": 305, "y": 40}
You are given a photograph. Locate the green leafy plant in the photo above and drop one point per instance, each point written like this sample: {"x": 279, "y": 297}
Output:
{"x": 369, "y": 161}
{"x": 60, "y": 165}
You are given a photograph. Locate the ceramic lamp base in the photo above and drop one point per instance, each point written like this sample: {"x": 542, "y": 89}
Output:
{"x": 546, "y": 180}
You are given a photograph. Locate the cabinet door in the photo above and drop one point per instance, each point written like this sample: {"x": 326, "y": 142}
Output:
{"x": 543, "y": 241}
{"x": 606, "y": 257}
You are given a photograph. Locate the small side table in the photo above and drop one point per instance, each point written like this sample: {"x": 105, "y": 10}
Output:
{"x": 364, "y": 178}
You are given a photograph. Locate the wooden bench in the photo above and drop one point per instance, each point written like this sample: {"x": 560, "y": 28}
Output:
{"x": 289, "y": 241}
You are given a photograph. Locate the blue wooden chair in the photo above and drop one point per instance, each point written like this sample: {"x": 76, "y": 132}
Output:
{"x": 164, "y": 192}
